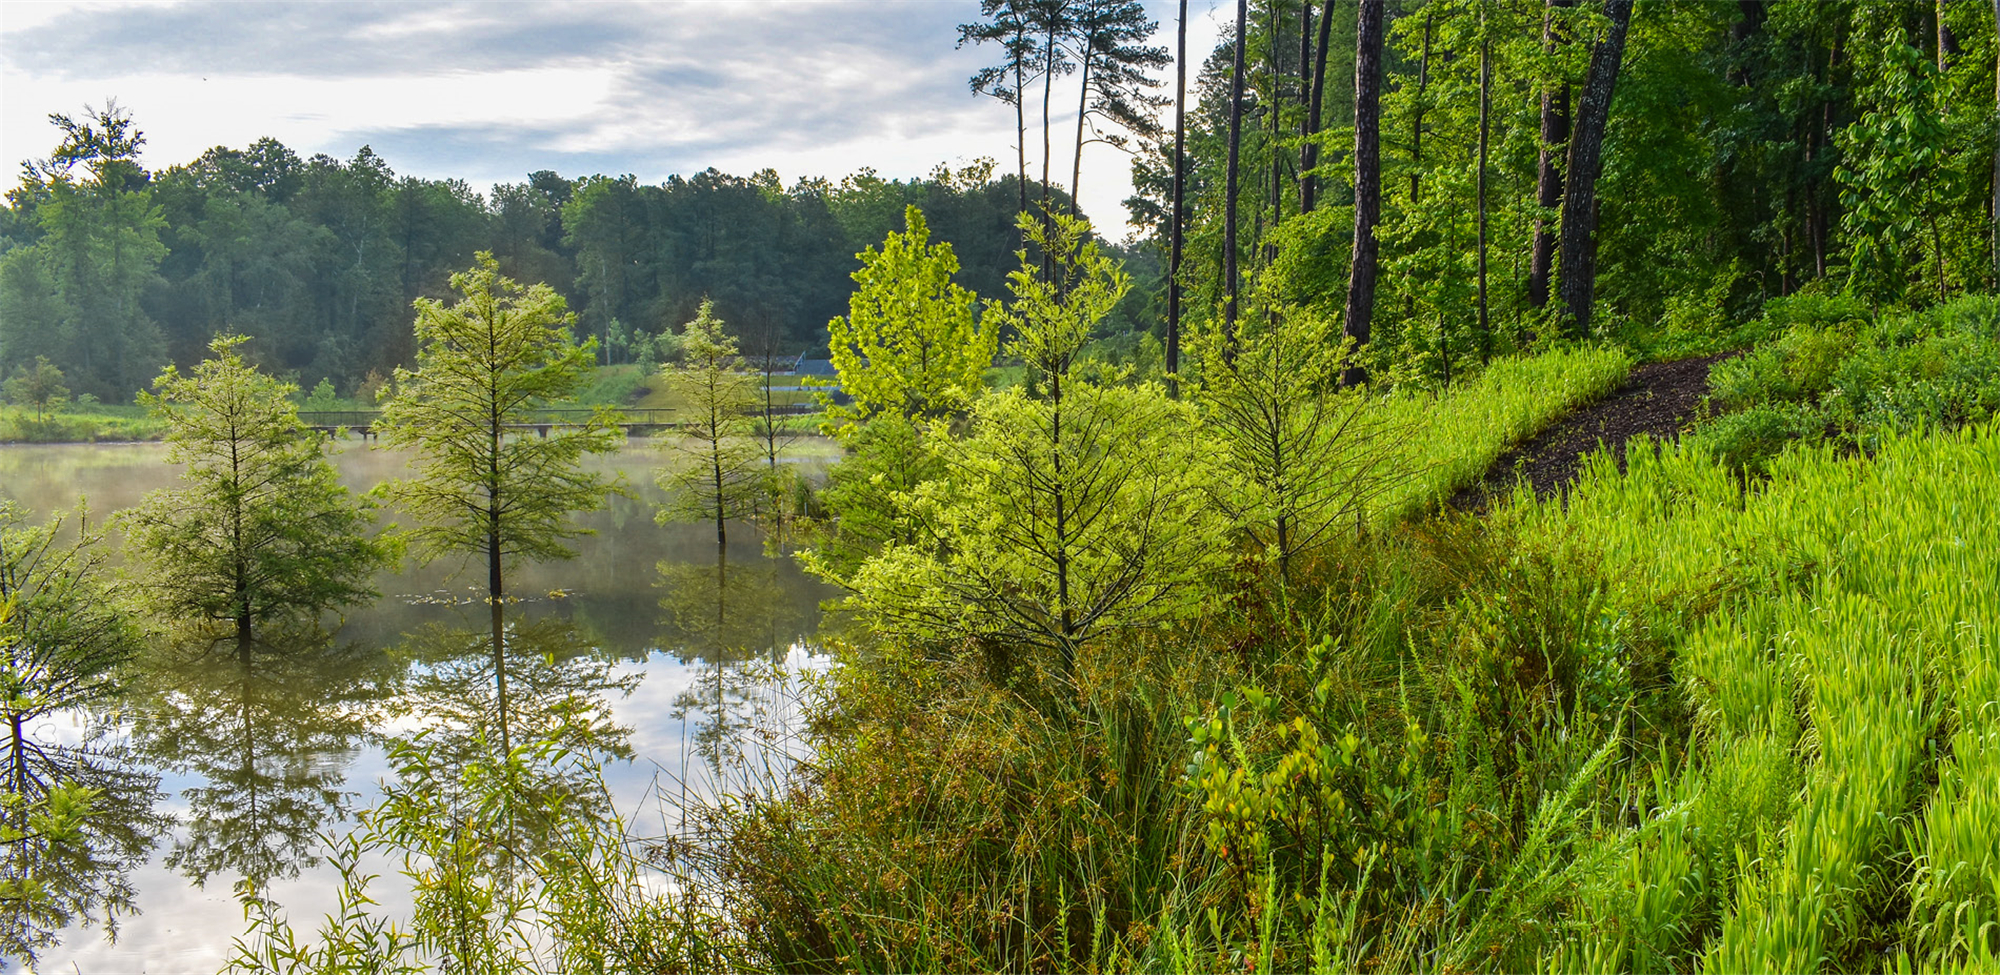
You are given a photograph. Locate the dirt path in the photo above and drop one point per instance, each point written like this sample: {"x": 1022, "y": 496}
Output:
{"x": 1658, "y": 398}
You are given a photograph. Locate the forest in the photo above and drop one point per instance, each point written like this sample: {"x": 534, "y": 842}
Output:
{"x": 1528, "y": 500}
{"x": 111, "y": 271}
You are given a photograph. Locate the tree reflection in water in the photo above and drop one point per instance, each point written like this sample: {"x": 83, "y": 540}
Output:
{"x": 737, "y": 623}
{"x": 559, "y": 685}
{"x": 63, "y": 652}
{"x": 270, "y": 734}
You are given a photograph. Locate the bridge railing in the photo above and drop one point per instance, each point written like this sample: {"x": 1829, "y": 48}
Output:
{"x": 661, "y": 416}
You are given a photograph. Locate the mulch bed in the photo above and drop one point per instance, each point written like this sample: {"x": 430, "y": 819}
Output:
{"x": 1658, "y": 399}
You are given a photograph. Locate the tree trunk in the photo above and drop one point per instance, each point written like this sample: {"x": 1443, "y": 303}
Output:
{"x": 496, "y": 601}
{"x": 1309, "y": 188}
{"x": 1586, "y": 152}
{"x": 1485, "y": 130}
{"x": 1231, "y": 177}
{"x": 1082, "y": 104}
{"x": 1020, "y": 137}
{"x": 1048, "y": 84}
{"x": 1367, "y": 183}
{"x": 1417, "y": 114}
{"x": 496, "y": 589}
{"x": 1548, "y": 178}
{"x": 1305, "y": 94}
{"x": 1178, "y": 218}
{"x": 715, "y": 459}
{"x": 1277, "y": 132}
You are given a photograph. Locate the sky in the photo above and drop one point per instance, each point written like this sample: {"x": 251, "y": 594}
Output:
{"x": 488, "y": 92}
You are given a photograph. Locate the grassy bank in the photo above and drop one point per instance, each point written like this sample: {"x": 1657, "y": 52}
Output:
{"x": 78, "y": 424}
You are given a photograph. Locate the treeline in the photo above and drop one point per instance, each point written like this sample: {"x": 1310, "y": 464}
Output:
{"x": 1552, "y": 166}
{"x": 110, "y": 271}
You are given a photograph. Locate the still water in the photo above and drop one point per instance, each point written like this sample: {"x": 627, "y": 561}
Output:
{"x": 677, "y": 654}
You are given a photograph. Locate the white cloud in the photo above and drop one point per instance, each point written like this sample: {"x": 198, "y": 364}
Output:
{"x": 489, "y": 91}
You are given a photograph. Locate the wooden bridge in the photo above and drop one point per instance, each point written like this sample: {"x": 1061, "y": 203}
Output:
{"x": 362, "y": 422}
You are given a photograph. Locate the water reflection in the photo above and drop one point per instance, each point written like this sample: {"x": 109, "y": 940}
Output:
{"x": 260, "y": 760}
{"x": 79, "y": 812}
{"x": 734, "y": 621}
{"x": 451, "y": 712}
{"x": 268, "y": 735}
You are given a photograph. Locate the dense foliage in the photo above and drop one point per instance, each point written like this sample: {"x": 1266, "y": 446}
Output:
{"x": 1752, "y": 151}
{"x": 1191, "y": 670}
{"x": 110, "y": 272}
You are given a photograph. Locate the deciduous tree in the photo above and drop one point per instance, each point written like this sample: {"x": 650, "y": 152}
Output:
{"x": 719, "y": 478}
{"x": 261, "y": 529}
{"x": 912, "y": 341}
{"x": 483, "y": 487}
{"x": 40, "y": 386}
{"x": 1072, "y": 510}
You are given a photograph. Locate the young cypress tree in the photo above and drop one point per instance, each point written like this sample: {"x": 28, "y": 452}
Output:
{"x": 261, "y": 528}
{"x": 483, "y": 486}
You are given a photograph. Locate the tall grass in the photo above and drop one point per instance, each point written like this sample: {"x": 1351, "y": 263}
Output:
{"x": 1851, "y": 601}
{"x": 1456, "y": 436}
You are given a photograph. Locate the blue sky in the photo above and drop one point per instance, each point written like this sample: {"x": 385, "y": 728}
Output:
{"x": 488, "y": 92}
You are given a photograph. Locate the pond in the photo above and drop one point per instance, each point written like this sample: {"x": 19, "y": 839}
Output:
{"x": 678, "y": 655}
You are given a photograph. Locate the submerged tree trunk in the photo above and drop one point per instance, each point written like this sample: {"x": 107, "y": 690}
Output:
{"x": 1233, "y": 174}
{"x": 1309, "y": 184}
{"x": 1548, "y": 177}
{"x": 1367, "y": 183}
{"x": 1586, "y": 152}
{"x": 1177, "y": 219}
{"x": 496, "y": 599}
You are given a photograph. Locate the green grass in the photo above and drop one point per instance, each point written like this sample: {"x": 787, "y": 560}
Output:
{"x": 94, "y": 423}
{"x": 1858, "y": 602}
{"x": 1450, "y": 440}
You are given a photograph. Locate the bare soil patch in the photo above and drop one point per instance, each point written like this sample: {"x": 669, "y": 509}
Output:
{"x": 1658, "y": 399}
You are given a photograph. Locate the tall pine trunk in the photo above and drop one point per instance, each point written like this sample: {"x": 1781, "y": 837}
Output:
{"x": 1485, "y": 132}
{"x": 1048, "y": 85}
{"x": 1548, "y": 178}
{"x": 1586, "y": 155}
{"x": 1232, "y": 175}
{"x": 1269, "y": 250}
{"x": 1367, "y": 183}
{"x": 1309, "y": 184}
{"x": 1305, "y": 95}
{"x": 1020, "y": 140}
{"x": 1178, "y": 219}
{"x": 1082, "y": 105}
